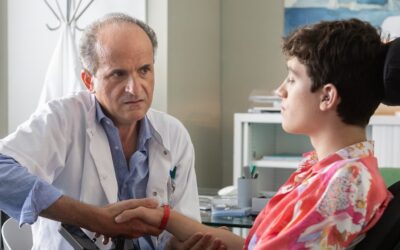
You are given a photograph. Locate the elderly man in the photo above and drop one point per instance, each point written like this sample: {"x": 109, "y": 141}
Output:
{"x": 100, "y": 146}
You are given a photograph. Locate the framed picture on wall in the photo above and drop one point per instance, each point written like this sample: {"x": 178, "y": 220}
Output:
{"x": 383, "y": 14}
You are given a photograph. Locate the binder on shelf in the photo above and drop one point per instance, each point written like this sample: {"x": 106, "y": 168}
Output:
{"x": 282, "y": 157}
{"x": 261, "y": 101}
{"x": 279, "y": 161}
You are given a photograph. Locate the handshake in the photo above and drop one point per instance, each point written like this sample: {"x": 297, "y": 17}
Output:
{"x": 129, "y": 219}
{"x": 139, "y": 217}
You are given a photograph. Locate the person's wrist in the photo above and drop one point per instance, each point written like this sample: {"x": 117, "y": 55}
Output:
{"x": 165, "y": 216}
{"x": 95, "y": 218}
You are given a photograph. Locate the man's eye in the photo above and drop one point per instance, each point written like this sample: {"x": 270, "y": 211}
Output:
{"x": 118, "y": 73}
{"x": 144, "y": 70}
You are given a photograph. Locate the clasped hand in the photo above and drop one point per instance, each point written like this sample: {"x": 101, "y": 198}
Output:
{"x": 133, "y": 228}
{"x": 138, "y": 217}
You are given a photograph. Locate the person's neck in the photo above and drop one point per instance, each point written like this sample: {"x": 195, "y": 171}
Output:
{"x": 129, "y": 134}
{"x": 335, "y": 138}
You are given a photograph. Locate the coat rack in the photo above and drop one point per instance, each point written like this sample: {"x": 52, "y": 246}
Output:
{"x": 65, "y": 16}
{"x": 63, "y": 73}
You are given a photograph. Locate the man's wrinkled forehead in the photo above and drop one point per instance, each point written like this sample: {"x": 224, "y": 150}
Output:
{"x": 113, "y": 37}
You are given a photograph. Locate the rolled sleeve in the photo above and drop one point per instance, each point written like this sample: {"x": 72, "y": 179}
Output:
{"x": 23, "y": 195}
{"x": 41, "y": 196}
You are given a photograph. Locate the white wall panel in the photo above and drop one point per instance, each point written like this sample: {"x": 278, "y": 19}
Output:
{"x": 30, "y": 46}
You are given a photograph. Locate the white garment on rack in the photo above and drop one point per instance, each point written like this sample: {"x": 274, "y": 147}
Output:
{"x": 62, "y": 76}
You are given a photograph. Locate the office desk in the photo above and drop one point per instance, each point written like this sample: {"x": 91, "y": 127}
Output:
{"x": 232, "y": 222}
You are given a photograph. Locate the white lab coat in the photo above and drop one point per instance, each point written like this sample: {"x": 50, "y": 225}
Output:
{"x": 64, "y": 145}
{"x": 63, "y": 73}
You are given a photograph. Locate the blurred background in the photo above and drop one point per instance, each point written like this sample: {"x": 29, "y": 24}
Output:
{"x": 212, "y": 54}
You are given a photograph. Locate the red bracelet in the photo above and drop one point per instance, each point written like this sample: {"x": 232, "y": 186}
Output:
{"x": 165, "y": 217}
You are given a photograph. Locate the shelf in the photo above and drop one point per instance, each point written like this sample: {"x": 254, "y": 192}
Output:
{"x": 259, "y": 135}
{"x": 276, "y": 118}
{"x": 385, "y": 120}
{"x": 290, "y": 164}
{"x": 272, "y": 117}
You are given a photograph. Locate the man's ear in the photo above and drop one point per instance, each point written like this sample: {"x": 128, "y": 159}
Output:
{"x": 329, "y": 97}
{"x": 87, "y": 80}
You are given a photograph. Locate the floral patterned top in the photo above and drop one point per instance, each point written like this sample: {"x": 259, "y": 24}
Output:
{"x": 324, "y": 204}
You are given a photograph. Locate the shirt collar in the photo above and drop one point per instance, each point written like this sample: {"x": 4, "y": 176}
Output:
{"x": 159, "y": 128}
{"x": 357, "y": 150}
{"x": 99, "y": 112}
{"x": 145, "y": 132}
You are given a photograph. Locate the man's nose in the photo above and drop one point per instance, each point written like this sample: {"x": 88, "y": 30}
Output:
{"x": 130, "y": 85}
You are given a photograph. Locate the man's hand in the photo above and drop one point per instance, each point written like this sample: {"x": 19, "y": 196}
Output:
{"x": 198, "y": 241}
{"x": 129, "y": 229}
{"x": 102, "y": 219}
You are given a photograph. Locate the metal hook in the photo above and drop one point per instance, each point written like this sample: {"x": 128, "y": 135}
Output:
{"x": 59, "y": 9}
{"x": 61, "y": 18}
{"x": 75, "y": 11}
{"x": 78, "y": 28}
{"x": 55, "y": 14}
{"x": 83, "y": 11}
{"x": 76, "y": 18}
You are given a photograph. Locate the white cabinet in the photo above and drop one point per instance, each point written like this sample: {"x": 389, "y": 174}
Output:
{"x": 260, "y": 140}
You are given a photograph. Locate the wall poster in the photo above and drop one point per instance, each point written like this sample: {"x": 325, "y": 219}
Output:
{"x": 383, "y": 14}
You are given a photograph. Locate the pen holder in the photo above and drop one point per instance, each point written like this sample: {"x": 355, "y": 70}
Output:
{"x": 247, "y": 189}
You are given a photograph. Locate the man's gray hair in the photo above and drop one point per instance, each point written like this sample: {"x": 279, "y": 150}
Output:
{"x": 87, "y": 47}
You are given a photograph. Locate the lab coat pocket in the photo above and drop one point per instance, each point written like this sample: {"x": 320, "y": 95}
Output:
{"x": 171, "y": 190}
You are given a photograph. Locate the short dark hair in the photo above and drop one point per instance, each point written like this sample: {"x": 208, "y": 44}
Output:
{"x": 347, "y": 53}
{"x": 87, "y": 48}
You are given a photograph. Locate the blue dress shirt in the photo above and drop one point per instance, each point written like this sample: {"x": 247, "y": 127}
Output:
{"x": 23, "y": 195}
{"x": 132, "y": 177}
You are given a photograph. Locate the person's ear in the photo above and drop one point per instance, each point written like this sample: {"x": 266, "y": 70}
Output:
{"x": 87, "y": 79}
{"x": 329, "y": 97}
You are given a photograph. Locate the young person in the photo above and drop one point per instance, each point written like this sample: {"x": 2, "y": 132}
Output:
{"x": 333, "y": 86}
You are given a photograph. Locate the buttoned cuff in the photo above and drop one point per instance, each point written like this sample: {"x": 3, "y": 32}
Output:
{"x": 41, "y": 196}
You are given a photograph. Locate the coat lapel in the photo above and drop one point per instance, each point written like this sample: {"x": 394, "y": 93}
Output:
{"x": 159, "y": 166}
{"x": 101, "y": 156}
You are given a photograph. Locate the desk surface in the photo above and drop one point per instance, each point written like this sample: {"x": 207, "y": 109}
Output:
{"x": 241, "y": 222}
{"x": 232, "y": 222}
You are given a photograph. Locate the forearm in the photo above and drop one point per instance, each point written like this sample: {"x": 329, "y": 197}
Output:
{"x": 31, "y": 197}
{"x": 101, "y": 219}
{"x": 70, "y": 211}
{"x": 183, "y": 227}
{"x": 179, "y": 225}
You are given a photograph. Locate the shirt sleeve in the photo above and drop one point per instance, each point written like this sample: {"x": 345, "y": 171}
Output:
{"x": 23, "y": 195}
{"x": 163, "y": 239}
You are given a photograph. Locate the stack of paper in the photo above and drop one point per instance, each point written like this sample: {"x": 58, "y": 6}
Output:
{"x": 261, "y": 101}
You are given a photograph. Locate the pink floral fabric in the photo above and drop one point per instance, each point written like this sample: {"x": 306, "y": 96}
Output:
{"x": 324, "y": 204}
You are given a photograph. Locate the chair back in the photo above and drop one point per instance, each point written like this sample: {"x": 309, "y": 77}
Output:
{"x": 386, "y": 233}
{"x": 16, "y": 238}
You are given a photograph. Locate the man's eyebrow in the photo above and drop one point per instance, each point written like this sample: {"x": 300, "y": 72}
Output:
{"x": 145, "y": 66}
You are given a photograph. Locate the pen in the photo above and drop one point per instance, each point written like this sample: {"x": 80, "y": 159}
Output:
{"x": 253, "y": 171}
{"x": 172, "y": 173}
